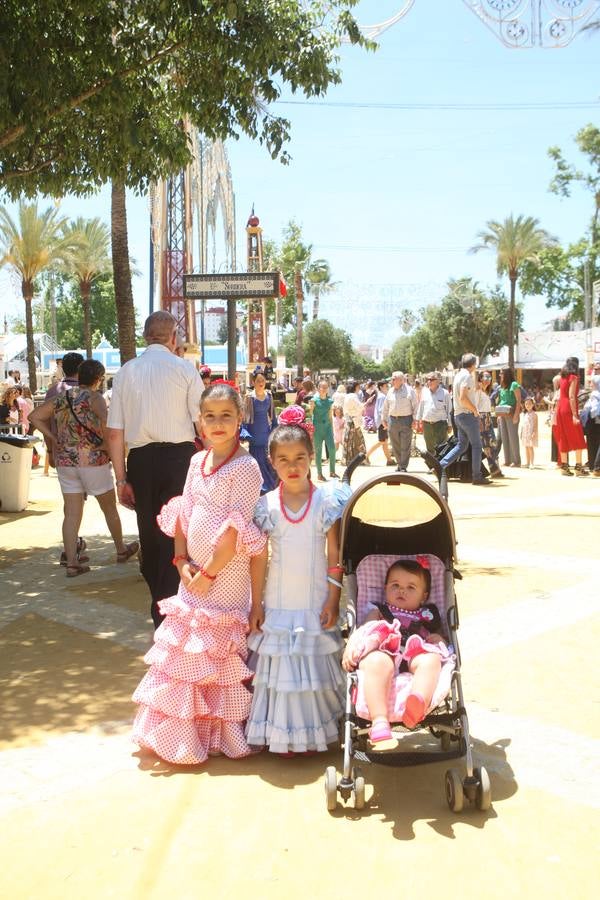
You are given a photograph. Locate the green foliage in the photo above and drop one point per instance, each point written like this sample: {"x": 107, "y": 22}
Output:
{"x": 467, "y": 319}
{"x": 92, "y": 91}
{"x": 514, "y": 241}
{"x": 398, "y": 359}
{"x": 325, "y": 347}
{"x": 559, "y": 278}
{"x": 286, "y": 258}
{"x": 63, "y": 292}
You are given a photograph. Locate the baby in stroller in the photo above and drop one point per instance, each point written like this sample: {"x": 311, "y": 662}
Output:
{"x": 399, "y": 634}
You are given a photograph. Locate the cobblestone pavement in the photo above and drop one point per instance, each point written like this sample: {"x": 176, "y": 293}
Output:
{"x": 86, "y": 815}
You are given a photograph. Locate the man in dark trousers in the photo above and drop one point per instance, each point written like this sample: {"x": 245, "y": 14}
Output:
{"x": 154, "y": 408}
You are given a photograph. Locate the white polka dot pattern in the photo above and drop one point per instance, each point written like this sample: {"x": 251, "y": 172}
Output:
{"x": 193, "y": 699}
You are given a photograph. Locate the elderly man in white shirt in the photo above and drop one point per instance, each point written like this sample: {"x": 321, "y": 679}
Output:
{"x": 397, "y": 416}
{"x": 155, "y": 405}
{"x": 434, "y": 411}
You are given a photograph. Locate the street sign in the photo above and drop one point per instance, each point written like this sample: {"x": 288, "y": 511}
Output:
{"x": 231, "y": 285}
{"x": 596, "y": 291}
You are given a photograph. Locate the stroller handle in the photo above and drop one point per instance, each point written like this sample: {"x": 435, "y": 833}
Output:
{"x": 352, "y": 465}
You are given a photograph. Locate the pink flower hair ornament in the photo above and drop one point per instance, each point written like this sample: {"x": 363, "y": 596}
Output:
{"x": 423, "y": 562}
{"x": 295, "y": 415}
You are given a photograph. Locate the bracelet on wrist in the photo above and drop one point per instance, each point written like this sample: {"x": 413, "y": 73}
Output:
{"x": 335, "y": 569}
{"x": 121, "y": 481}
{"x": 202, "y": 571}
{"x": 180, "y": 558}
{"x": 334, "y": 581}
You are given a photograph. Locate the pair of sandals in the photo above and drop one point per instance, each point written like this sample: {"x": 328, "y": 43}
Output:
{"x": 82, "y": 569}
{"x": 381, "y": 735}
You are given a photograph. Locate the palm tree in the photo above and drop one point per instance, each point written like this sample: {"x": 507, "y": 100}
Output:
{"x": 122, "y": 272}
{"x": 34, "y": 244}
{"x": 318, "y": 281}
{"x": 88, "y": 261}
{"x": 514, "y": 241}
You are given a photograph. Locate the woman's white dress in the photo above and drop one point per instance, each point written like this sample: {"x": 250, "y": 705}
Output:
{"x": 299, "y": 683}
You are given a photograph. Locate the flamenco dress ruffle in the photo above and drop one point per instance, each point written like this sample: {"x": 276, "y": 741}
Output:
{"x": 194, "y": 698}
{"x": 298, "y": 684}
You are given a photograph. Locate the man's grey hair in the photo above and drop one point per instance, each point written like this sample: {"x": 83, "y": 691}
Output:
{"x": 468, "y": 360}
{"x": 398, "y": 375}
{"x": 159, "y": 327}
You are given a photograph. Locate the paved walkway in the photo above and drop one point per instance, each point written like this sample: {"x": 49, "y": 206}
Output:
{"x": 86, "y": 815}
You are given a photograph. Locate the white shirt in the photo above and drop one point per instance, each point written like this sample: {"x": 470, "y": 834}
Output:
{"x": 156, "y": 399}
{"x": 400, "y": 401}
{"x": 463, "y": 378}
{"x": 353, "y": 408}
{"x": 483, "y": 404}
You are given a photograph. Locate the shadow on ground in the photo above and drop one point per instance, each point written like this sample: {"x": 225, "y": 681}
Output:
{"x": 55, "y": 679}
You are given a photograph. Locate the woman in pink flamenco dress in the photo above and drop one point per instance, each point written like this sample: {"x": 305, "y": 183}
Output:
{"x": 194, "y": 700}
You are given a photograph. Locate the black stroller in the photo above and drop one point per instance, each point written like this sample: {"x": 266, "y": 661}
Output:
{"x": 391, "y": 517}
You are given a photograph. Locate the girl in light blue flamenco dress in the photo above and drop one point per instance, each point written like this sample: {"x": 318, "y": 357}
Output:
{"x": 299, "y": 684}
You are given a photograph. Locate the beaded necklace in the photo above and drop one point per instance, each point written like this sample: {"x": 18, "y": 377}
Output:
{"x": 311, "y": 490}
{"x": 221, "y": 464}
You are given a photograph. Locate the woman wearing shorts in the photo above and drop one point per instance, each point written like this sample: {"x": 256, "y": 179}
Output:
{"x": 82, "y": 462}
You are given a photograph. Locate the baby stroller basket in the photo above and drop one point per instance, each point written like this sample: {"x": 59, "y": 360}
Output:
{"x": 390, "y": 517}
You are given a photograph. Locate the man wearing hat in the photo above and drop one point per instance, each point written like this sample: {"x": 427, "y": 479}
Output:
{"x": 434, "y": 411}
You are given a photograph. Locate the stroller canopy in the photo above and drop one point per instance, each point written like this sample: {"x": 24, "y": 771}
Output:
{"x": 397, "y": 513}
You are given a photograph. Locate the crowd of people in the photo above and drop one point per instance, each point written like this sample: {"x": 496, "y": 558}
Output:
{"x": 240, "y": 548}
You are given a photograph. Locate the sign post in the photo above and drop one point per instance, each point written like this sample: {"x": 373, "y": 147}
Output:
{"x": 230, "y": 286}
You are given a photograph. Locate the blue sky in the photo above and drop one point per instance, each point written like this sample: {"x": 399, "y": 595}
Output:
{"x": 393, "y": 197}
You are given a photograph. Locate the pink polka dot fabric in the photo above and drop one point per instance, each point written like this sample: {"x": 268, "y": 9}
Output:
{"x": 194, "y": 699}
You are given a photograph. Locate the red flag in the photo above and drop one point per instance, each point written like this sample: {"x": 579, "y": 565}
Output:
{"x": 282, "y": 286}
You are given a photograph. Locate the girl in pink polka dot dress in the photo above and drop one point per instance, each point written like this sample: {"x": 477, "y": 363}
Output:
{"x": 194, "y": 700}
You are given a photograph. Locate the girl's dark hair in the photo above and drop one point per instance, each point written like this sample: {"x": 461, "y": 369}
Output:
{"x": 222, "y": 392}
{"x": 411, "y": 565}
{"x": 289, "y": 434}
{"x": 350, "y": 387}
{"x": 571, "y": 367}
{"x": 90, "y": 371}
{"x": 507, "y": 376}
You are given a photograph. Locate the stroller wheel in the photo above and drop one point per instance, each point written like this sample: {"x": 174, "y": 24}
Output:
{"x": 454, "y": 790}
{"x": 331, "y": 788}
{"x": 483, "y": 797}
{"x": 359, "y": 789}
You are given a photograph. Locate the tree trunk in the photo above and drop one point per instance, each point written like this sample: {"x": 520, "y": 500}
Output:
{"x": 299, "y": 321}
{"x": 511, "y": 322}
{"x": 85, "y": 287}
{"x": 316, "y": 304}
{"x": 122, "y": 273}
{"x": 27, "y": 291}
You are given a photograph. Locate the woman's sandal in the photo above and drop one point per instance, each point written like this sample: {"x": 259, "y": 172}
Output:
{"x": 130, "y": 550}
{"x": 81, "y": 546}
{"x": 74, "y": 571}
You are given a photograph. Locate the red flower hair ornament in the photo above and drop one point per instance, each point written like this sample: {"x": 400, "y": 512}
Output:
{"x": 423, "y": 562}
{"x": 295, "y": 415}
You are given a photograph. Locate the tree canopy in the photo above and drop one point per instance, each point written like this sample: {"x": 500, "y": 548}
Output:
{"x": 468, "y": 318}
{"x": 325, "y": 347}
{"x": 91, "y": 91}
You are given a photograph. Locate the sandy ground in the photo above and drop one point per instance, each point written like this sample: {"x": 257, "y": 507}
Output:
{"x": 84, "y": 814}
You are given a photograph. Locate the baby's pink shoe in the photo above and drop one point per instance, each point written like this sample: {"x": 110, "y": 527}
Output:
{"x": 381, "y": 735}
{"x": 380, "y": 731}
{"x": 414, "y": 710}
